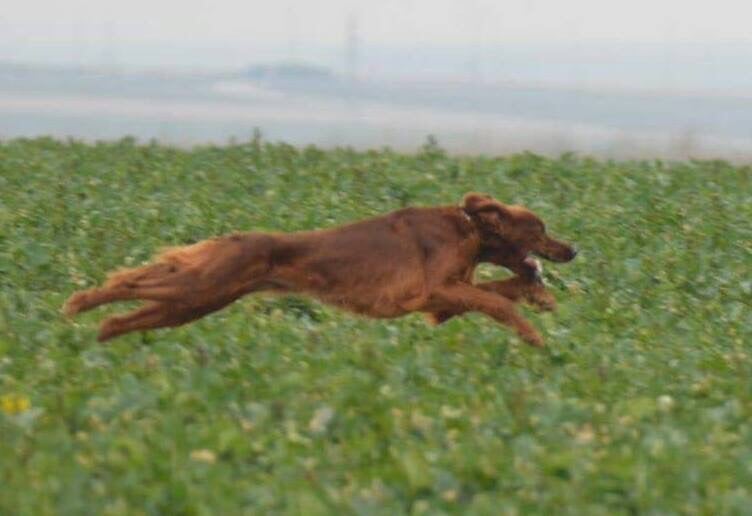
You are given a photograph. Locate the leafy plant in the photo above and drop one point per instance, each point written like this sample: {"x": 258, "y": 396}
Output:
{"x": 640, "y": 404}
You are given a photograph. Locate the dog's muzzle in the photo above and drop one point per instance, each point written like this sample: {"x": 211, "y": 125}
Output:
{"x": 556, "y": 251}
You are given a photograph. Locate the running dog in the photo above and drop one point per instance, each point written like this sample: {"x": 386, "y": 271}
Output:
{"x": 411, "y": 260}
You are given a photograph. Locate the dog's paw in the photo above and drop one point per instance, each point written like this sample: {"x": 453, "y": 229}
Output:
{"x": 539, "y": 298}
{"x": 533, "y": 338}
{"x": 542, "y": 300}
{"x": 75, "y": 304}
{"x": 108, "y": 329}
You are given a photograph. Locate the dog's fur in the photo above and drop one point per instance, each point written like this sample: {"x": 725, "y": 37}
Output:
{"x": 411, "y": 260}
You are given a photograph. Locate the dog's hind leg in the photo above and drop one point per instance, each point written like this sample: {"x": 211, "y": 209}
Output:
{"x": 152, "y": 315}
{"x": 147, "y": 282}
{"x": 158, "y": 315}
{"x": 92, "y": 298}
{"x": 173, "y": 313}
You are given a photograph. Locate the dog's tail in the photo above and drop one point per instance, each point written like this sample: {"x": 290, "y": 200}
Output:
{"x": 170, "y": 261}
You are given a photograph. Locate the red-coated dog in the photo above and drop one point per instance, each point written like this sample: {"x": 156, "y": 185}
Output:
{"x": 410, "y": 260}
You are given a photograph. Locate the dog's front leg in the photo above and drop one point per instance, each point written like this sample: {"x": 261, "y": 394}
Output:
{"x": 460, "y": 298}
{"x": 519, "y": 288}
{"x": 527, "y": 285}
{"x": 516, "y": 289}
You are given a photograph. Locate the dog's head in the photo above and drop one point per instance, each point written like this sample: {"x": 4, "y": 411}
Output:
{"x": 504, "y": 225}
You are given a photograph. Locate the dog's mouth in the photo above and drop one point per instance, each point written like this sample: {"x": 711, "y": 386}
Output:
{"x": 557, "y": 258}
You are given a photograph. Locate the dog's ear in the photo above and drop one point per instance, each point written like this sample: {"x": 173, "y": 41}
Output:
{"x": 475, "y": 202}
{"x": 487, "y": 209}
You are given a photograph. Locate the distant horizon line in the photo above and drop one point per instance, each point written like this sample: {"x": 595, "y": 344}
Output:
{"x": 237, "y": 73}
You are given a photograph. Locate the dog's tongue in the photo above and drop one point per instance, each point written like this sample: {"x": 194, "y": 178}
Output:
{"x": 536, "y": 265}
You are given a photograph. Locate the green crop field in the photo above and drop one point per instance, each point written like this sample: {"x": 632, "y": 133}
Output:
{"x": 640, "y": 404}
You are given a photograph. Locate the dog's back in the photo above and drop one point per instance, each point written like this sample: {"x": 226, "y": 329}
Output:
{"x": 381, "y": 267}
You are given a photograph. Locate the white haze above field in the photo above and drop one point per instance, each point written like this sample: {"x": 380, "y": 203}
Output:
{"x": 679, "y": 45}
{"x": 638, "y": 78}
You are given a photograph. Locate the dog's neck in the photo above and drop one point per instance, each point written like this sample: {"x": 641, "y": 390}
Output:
{"x": 476, "y": 229}
{"x": 472, "y": 222}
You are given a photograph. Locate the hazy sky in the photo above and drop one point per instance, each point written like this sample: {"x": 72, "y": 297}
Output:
{"x": 382, "y": 22}
{"x": 222, "y": 32}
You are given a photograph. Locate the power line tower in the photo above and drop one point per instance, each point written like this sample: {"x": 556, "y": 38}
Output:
{"x": 352, "y": 48}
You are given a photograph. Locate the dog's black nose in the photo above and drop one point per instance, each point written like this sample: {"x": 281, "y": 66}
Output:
{"x": 574, "y": 253}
